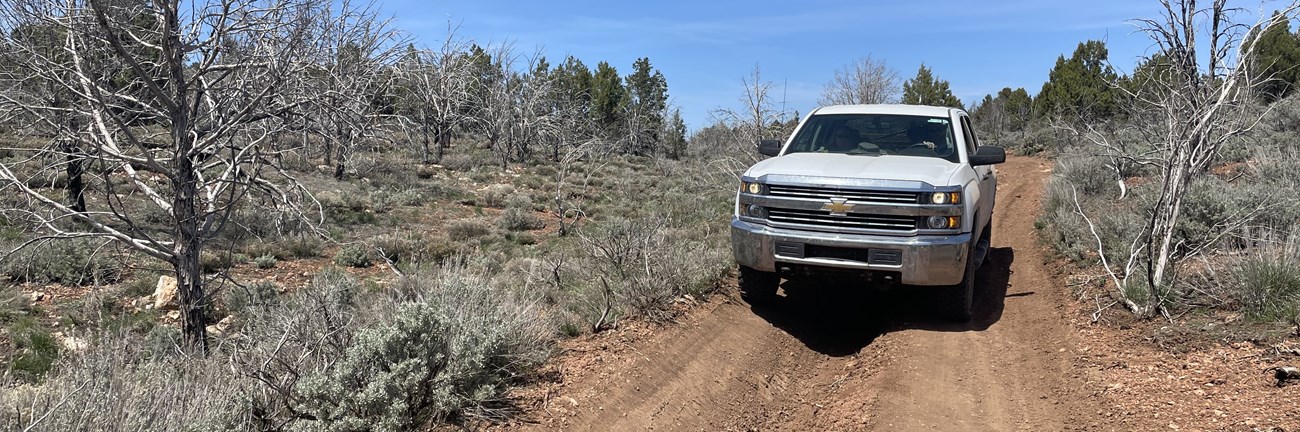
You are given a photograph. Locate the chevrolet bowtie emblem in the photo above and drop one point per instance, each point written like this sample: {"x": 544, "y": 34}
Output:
{"x": 838, "y": 207}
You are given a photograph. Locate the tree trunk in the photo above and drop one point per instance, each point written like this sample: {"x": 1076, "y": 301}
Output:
{"x": 189, "y": 289}
{"x": 75, "y": 170}
{"x": 444, "y": 141}
{"x": 1165, "y": 221}
{"x": 329, "y": 150}
{"x": 424, "y": 129}
{"x": 185, "y": 186}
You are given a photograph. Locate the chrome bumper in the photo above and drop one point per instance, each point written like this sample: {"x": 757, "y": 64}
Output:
{"x": 926, "y": 259}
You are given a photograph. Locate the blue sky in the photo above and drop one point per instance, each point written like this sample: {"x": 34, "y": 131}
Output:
{"x": 704, "y": 48}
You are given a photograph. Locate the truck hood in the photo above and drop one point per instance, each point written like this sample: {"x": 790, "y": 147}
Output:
{"x": 932, "y": 171}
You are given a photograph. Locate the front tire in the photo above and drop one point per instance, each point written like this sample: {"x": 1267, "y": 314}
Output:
{"x": 958, "y": 300}
{"x": 757, "y": 286}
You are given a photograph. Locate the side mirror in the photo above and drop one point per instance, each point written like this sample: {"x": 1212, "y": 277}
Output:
{"x": 988, "y": 155}
{"x": 769, "y": 147}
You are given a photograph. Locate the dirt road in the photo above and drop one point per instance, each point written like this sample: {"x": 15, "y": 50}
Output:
{"x": 831, "y": 356}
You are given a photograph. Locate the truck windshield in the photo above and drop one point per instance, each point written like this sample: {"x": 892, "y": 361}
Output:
{"x": 877, "y": 134}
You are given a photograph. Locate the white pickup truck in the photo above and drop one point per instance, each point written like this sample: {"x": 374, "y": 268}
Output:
{"x": 899, "y": 194}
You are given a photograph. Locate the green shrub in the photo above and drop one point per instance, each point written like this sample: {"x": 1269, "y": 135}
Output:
{"x": 35, "y": 350}
{"x": 266, "y": 261}
{"x": 519, "y": 200}
{"x": 353, "y": 255}
{"x": 216, "y": 261}
{"x": 520, "y": 219}
{"x": 461, "y": 335}
{"x": 523, "y": 238}
{"x": 9, "y": 231}
{"x": 430, "y": 250}
{"x": 448, "y": 344}
{"x": 286, "y": 248}
{"x": 67, "y": 262}
{"x": 384, "y": 201}
{"x": 13, "y": 303}
{"x": 467, "y": 229}
{"x": 303, "y": 247}
{"x": 260, "y": 294}
{"x": 394, "y": 247}
{"x": 347, "y": 209}
{"x": 119, "y": 384}
{"x": 261, "y": 222}
{"x": 1086, "y": 179}
{"x": 459, "y": 162}
{"x": 496, "y": 195}
{"x": 141, "y": 284}
{"x": 1268, "y": 287}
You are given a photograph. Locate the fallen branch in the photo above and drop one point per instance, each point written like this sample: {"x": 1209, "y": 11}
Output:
{"x": 1284, "y": 374}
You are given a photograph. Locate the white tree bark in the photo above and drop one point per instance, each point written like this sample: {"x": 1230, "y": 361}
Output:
{"x": 1196, "y": 102}
{"x": 182, "y": 102}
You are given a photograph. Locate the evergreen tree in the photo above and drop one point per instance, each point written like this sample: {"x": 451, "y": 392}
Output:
{"x": 1018, "y": 107}
{"x": 484, "y": 75}
{"x": 608, "y": 99}
{"x": 925, "y": 89}
{"x": 1277, "y": 61}
{"x": 648, "y": 99}
{"x": 1079, "y": 87}
{"x": 674, "y": 135}
{"x": 571, "y": 99}
{"x": 1151, "y": 80}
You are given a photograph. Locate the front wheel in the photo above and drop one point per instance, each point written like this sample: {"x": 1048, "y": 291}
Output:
{"x": 758, "y": 286}
{"x": 958, "y": 300}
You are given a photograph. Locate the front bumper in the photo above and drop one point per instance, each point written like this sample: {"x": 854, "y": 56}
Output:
{"x": 926, "y": 260}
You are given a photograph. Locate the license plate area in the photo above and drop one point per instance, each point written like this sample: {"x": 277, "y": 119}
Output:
{"x": 874, "y": 256}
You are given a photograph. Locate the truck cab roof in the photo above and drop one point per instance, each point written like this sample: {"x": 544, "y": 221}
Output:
{"x": 897, "y": 109}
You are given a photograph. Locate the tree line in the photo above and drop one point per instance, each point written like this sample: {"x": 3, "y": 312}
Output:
{"x": 1085, "y": 88}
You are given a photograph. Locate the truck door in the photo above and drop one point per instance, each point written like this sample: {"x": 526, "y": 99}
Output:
{"x": 988, "y": 182}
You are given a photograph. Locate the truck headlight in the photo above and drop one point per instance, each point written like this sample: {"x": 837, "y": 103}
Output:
{"x": 945, "y": 198}
{"x": 943, "y": 222}
{"x": 756, "y": 211}
{"x": 754, "y": 188}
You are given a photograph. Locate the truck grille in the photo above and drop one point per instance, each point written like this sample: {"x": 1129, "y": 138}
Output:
{"x": 857, "y": 195}
{"x": 821, "y": 218}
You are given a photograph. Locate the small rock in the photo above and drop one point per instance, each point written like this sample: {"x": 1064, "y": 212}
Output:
{"x": 215, "y": 331}
{"x": 74, "y": 344}
{"x": 227, "y": 321}
{"x": 164, "y": 296}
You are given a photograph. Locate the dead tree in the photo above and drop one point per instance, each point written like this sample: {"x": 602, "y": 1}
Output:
{"x": 865, "y": 81}
{"x": 1197, "y": 101}
{"x": 751, "y": 123}
{"x": 353, "y": 80}
{"x": 435, "y": 88}
{"x": 186, "y": 128}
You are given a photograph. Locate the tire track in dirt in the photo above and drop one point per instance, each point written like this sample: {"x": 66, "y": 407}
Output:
{"x": 1012, "y": 367}
{"x": 830, "y": 355}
